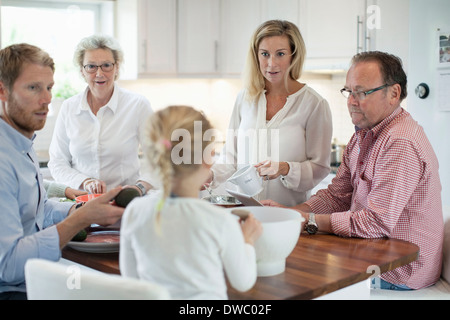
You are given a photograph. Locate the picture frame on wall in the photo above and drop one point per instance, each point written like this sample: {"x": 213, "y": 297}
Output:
{"x": 443, "y": 36}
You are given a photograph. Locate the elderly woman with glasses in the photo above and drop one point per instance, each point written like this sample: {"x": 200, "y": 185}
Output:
{"x": 98, "y": 132}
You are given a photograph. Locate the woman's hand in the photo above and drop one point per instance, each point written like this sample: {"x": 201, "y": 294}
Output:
{"x": 73, "y": 193}
{"x": 271, "y": 169}
{"x": 146, "y": 185}
{"x": 271, "y": 203}
{"x": 94, "y": 186}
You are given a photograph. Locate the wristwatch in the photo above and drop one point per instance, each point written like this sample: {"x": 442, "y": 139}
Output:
{"x": 311, "y": 226}
{"x": 79, "y": 205}
{"x": 141, "y": 187}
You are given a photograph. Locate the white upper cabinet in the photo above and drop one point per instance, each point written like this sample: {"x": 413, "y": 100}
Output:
{"x": 280, "y": 9}
{"x": 334, "y": 31}
{"x": 331, "y": 32}
{"x": 391, "y": 32}
{"x": 157, "y": 36}
{"x": 238, "y": 21}
{"x": 202, "y": 37}
{"x": 198, "y": 36}
{"x": 210, "y": 38}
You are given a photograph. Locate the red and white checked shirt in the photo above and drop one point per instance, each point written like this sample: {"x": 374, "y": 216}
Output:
{"x": 388, "y": 186}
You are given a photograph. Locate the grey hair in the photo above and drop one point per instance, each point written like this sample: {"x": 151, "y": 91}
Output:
{"x": 98, "y": 42}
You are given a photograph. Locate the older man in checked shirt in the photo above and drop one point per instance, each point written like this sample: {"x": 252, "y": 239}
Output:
{"x": 388, "y": 183}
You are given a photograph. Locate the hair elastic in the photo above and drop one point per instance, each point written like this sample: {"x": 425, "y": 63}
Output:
{"x": 166, "y": 143}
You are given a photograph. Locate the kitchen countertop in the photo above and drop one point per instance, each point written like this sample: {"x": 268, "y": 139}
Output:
{"x": 319, "y": 264}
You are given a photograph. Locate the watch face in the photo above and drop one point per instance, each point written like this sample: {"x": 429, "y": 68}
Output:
{"x": 311, "y": 228}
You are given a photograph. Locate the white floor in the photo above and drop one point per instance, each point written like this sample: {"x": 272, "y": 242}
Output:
{"x": 361, "y": 291}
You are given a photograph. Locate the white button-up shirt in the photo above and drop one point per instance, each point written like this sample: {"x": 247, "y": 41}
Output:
{"x": 300, "y": 134}
{"x": 103, "y": 146}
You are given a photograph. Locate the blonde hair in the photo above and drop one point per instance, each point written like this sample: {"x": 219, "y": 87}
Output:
{"x": 253, "y": 78}
{"x": 162, "y": 129}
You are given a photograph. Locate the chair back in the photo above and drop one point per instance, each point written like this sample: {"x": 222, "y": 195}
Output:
{"x": 446, "y": 249}
{"x": 48, "y": 280}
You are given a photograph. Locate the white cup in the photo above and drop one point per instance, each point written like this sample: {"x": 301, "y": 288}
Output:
{"x": 248, "y": 179}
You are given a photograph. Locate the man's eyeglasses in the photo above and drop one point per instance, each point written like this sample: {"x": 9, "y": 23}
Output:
{"x": 361, "y": 95}
{"x": 92, "y": 68}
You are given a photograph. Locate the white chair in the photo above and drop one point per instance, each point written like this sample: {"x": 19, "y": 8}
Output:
{"x": 48, "y": 280}
{"x": 439, "y": 291}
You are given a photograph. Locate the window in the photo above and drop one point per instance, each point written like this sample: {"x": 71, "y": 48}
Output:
{"x": 56, "y": 27}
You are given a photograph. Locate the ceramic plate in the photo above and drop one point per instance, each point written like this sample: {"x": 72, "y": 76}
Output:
{"x": 98, "y": 242}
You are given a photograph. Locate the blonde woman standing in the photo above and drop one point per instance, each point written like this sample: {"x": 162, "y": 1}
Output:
{"x": 280, "y": 125}
{"x": 171, "y": 237}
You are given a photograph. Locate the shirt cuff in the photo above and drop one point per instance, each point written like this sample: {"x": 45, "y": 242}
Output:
{"x": 317, "y": 205}
{"x": 292, "y": 179}
{"x": 56, "y": 212}
{"x": 341, "y": 223}
{"x": 56, "y": 189}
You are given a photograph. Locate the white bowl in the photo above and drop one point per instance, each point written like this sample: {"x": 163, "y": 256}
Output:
{"x": 281, "y": 230}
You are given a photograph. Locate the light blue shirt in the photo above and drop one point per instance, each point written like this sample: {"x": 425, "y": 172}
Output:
{"x": 27, "y": 217}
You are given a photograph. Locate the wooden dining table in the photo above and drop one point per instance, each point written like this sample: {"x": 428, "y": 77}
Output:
{"x": 319, "y": 264}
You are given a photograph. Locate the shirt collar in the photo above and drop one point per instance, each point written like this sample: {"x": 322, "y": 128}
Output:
{"x": 383, "y": 124}
{"x": 18, "y": 140}
{"x": 112, "y": 103}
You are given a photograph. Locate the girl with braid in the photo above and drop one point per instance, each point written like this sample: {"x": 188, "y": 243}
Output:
{"x": 171, "y": 237}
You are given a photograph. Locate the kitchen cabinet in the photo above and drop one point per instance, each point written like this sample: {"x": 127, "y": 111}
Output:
{"x": 210, "y": 38}
{"x": 157, "y": 35}
{"x": 333, "y": 31}
{"x": 392, "y": 34}
{"x": 239, "y": 20}
{"x": 201, "y": 37}
{"x": 198, "y": 36}
{"x": 330, "y": 27}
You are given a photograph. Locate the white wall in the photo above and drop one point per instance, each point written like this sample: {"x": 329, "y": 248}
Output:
{"x": 216, "y": 97}
{"x": 425, "y": 18}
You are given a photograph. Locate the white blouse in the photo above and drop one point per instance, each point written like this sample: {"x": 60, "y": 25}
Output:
{"x": 299, "y": 134}
{"x": 105, "y": 146}
{"x": 194, "y": 247}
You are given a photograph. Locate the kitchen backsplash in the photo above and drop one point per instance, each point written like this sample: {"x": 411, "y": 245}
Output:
{"x": 216, "y": 98}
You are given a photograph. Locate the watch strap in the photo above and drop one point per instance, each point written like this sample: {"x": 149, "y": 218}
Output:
{"x": 79, "y": 205}
{"x": 311, "y": 226}
{"x": 141, "y": 187}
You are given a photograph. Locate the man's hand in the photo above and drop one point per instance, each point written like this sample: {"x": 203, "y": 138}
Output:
{"x": 99, "y": 211}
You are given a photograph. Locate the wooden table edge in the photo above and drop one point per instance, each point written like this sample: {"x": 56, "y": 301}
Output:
{"x": 342, "y": 283}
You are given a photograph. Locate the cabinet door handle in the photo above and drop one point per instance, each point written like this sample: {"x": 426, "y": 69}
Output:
{"x": 216, "y": 55}
{"x": 359, "y": 25}
{"x": 144, "y": 56}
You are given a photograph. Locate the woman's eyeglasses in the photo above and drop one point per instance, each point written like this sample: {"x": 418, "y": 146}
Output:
{"x": 92, "y": 68}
